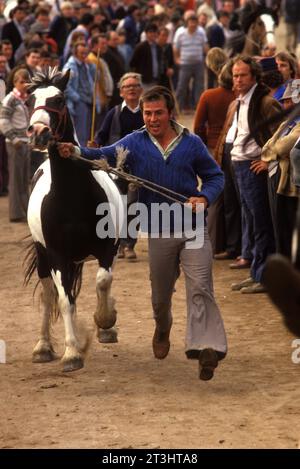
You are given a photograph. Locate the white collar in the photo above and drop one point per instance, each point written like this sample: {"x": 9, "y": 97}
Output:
{"x": 135, "y": 110}
{"x": 246, "y": 98}
{"x": 179, "y": 128}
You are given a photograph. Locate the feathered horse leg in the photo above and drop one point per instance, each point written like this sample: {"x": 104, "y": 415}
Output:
{"x": 43, "y": 351}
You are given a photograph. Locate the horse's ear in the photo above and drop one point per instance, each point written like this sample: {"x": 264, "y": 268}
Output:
{"x": 62, "y": 82}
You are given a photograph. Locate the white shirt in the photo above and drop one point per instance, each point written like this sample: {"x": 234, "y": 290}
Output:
{"x": 181, "y": 29}
{"x": 232, "y": 131}
{"x": 240, "y": 151}
{"x": 190, "y": 46}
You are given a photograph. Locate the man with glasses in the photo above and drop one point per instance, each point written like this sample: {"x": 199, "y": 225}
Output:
{"x": 121, "y": 120}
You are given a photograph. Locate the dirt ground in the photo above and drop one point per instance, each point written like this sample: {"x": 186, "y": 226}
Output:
{"x": 123, "y": 397}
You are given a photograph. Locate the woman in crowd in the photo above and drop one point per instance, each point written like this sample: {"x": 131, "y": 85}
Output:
{"x": 209, "y": 119}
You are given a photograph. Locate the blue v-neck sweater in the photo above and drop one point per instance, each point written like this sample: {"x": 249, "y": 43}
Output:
{"x": 189, "y": 159}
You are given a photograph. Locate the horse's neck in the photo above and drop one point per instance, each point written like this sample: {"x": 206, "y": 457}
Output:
{"x": 69, "y": 132}
{"x": 254, "y": 41}
{"x": 67, "y": 177}
{"x": 64, "y": 173}
{"x": 251, "y": 47}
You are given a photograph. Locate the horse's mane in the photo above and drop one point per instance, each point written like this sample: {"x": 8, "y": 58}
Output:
{"x": 46, "y": 77}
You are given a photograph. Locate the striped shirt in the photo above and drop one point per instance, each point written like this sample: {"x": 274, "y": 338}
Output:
{"x": 190, "y": 46}
{"x": 14, "y": 118}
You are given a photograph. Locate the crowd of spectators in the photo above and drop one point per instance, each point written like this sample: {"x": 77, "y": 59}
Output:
{"x": 180, "y": 44}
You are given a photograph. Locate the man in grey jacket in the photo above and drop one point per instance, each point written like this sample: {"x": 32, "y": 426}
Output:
{"x": 80, "y": 91}
{"x": 14, "y": 120}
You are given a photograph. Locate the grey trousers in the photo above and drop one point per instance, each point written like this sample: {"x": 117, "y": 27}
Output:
{"x": 205, "y": 326}
{"x": 18, "y": 188}
{"x": 186, "y": 73}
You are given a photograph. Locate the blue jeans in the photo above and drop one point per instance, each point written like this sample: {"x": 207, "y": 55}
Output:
{"x": 186, "y": 73}
{"x": 82, "y": 122}
{"x": 256, "y": 212}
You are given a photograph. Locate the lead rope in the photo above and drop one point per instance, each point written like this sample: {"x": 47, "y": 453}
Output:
{"x": 137, "y": 181}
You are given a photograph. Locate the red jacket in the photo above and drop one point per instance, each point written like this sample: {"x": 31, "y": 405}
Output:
{"x": 211, "y": 113}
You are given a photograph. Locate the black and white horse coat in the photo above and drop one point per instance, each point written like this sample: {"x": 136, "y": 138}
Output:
{"x": 62, "y": 220}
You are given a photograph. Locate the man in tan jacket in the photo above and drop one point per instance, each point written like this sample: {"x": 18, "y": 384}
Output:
{"x": 282, "y": 192}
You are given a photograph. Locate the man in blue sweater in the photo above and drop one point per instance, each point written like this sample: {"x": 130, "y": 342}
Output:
{"x": 166, "y": 153}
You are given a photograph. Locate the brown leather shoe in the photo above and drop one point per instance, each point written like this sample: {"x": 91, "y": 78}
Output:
{"x": 160, "y": 343}
{"x": 208, "y": 361}
{"x": 240, "y": 264}
{"x": 121, "y": 254}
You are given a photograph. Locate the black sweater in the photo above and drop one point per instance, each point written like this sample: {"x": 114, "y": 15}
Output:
{"x": 129, "y": 121}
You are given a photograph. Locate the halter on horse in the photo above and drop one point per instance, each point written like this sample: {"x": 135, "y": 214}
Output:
{"x": 62, "y": 220}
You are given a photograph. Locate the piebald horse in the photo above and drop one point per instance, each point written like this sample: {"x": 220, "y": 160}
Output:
{"x": 62, "y": 219}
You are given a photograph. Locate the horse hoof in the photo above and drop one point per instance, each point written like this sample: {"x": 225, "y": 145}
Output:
{"x": 106, "y": 323}
{"x": 44, "y": 356}
{"x": 107, "y": 336}
{"x": 73, "y": 364}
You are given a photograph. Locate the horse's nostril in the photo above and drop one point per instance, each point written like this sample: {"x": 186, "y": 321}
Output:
{"x": 45, "y": 130}
{"x": 30, "y": 130}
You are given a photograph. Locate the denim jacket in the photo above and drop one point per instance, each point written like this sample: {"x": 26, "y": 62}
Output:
{"x": 71, "y": 92}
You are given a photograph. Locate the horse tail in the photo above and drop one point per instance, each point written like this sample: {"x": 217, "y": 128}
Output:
{"x": 30, "y": 262}
{"x": 77, "y": 280}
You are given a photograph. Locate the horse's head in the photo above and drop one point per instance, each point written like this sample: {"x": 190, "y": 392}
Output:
{"x": 258, "y": 22}
{"x": 49, "y": 114}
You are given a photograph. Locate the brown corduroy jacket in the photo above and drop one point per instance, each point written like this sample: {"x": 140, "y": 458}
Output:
{"x": 262, "y": 107}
